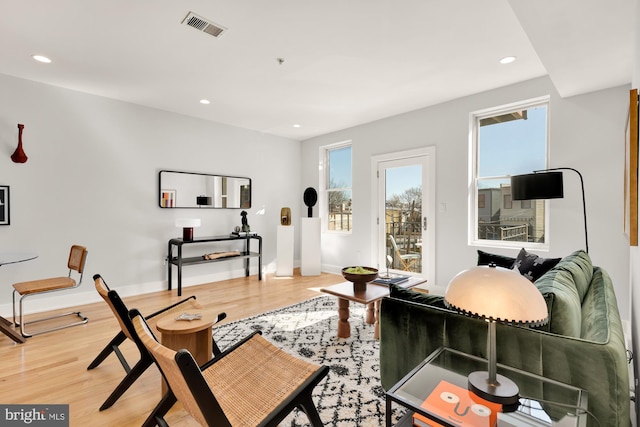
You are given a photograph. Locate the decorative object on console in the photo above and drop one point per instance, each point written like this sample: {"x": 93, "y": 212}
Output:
{"x": 285, "y": 216}
{"x": 4, "y": 205}
{"x": 310, "y": 198}
{"x": 546, "y": 184}
{"x": 496, "y": 294}
{"x": 187, "y": 225}
{"x": 19, "y": 155}
{"x": 245, "y": 224}
{"x": 203, "y": 201}
{"x": 216, "y": 255}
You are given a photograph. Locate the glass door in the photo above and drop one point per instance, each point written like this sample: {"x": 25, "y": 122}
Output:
{"x": 404, "y": 236}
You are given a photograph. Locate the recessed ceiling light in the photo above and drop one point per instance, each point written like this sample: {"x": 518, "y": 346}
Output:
{"x": 507, "y": 59}
{"x": 41, "y": 58}
{"x": 205, "y": 101}
{"x": 297, "y": 126}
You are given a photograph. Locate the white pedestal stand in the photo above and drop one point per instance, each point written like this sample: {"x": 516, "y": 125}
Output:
{"x": 284, "y": 250}
{"x": 310, "y": 247}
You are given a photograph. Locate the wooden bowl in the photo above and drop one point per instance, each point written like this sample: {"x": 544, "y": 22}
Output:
{"x": 360, "y": 277}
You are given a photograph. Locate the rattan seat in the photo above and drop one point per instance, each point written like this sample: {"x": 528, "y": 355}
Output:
{"x": 76, "y": 262}
{"x": 121, "y": 313}
{"x": 254, "y": 383}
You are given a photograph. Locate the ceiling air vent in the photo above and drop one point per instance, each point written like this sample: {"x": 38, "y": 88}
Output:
{"x": 203, "y": 24}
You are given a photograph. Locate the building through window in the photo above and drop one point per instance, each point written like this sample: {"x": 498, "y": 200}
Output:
{"x": 507, "y": 141}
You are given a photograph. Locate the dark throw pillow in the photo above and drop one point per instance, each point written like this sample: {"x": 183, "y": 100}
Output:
{"x": 533, "y": 266}
{"x": 485, "y": 258}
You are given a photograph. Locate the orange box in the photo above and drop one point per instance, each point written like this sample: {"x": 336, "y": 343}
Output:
{"x": 459, "y": 406}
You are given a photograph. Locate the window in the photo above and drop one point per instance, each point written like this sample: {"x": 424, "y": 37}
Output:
{"x": 508, "y": 140}
{"x": 507, "y": 201}
{"x": 338, "y": 187}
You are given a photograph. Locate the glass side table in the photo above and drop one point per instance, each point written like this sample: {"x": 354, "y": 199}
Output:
{"x": 543, "y": 402}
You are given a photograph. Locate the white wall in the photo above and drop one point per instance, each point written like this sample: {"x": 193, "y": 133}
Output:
{"x": 91, "y": 179}
{"x": 587, "y": 133}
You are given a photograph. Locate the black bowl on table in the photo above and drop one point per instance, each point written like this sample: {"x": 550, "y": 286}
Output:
{"x": 361, "y": 277}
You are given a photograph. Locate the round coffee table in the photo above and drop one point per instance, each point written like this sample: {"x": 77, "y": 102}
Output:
{"x": 193, "y": 335}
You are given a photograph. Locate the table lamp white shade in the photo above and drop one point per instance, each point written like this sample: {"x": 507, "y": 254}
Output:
{"x": 187, "y": 225}
{"x": 496, "y": 294}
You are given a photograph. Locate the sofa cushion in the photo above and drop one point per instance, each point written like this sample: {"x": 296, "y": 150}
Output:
{"x": 578, "y": 264}
{"x": 533, "y": 266}
{"x": 486, "y": 258}
{"x": 565, "y": 313}
{"x": 415, "y": 296}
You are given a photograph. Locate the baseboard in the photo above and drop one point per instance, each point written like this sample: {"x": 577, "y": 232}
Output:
{"x": 86, "y": 293}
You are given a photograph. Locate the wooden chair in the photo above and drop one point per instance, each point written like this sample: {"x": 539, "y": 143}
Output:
{"x": 77, "y": 259}
{"x": 251, "y": 384}
{"x": 407, "y": 260}
{"x": 121, "y": 312}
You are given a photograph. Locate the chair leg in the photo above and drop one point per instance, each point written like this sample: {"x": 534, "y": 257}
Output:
{"x": 156, "y": 417}
{"x": 309, "y": 408}
{"x": 109, "y": 348}
{"x": 127, "y": 381}
{"x": 83, "y": 319}
{"x": 216, "y": 349}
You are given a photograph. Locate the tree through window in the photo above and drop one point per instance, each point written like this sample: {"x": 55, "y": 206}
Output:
{"x": 338, "y": 188}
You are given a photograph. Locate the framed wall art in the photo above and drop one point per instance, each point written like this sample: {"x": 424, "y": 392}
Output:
{"x": 631, "y": 171}
{"x": 4, "y": 205}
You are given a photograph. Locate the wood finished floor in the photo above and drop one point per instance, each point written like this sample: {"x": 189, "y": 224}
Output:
{"x": 52, "y": 368}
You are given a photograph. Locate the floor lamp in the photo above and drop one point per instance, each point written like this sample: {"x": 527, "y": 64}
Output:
{"x": 546, "y": 184}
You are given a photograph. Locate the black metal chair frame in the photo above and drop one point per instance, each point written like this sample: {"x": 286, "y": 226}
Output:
{"x": 132, "y": 374}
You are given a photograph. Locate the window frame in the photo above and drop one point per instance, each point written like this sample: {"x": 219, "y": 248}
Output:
{"x": 474, "y": 120}
{"x": 324, "y": 179}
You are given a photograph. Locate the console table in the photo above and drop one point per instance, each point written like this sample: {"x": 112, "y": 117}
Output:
{"x": 179, "y": 261}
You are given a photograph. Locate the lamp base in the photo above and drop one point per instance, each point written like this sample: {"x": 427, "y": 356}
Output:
{"x": 503, "y": 390}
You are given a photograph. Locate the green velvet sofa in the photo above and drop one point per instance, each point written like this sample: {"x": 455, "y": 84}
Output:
{"x": 582, "y": 344}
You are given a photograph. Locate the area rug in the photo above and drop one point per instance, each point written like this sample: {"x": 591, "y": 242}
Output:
{"x": 351, "y": 394}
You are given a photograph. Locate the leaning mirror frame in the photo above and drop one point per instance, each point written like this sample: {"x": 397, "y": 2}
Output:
{"x": 180, "y": 189}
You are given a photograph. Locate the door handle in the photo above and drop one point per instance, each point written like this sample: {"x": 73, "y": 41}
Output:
{"x": 424, "y": 223}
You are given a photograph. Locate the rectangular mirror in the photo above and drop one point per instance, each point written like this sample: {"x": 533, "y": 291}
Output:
{"x": 200, "y": 190}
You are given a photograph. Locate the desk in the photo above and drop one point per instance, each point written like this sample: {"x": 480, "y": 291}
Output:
{"x": 193, "y": 335}
{"x": 12, "y": 258}
{"x": 564, "y": 406}
{"x": 369, "y": 296}
{"x": 179, "y": 261}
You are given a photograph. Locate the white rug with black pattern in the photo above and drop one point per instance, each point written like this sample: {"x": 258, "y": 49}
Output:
{"x": 351, "y": 394}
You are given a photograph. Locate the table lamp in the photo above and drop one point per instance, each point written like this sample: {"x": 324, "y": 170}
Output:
{"x": 187, "y": 225}
{"x": 495, "y": 294}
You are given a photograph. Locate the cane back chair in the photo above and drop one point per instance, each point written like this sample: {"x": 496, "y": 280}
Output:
{"x": 253, "y": 383}
{"x": 121, "y": 313}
